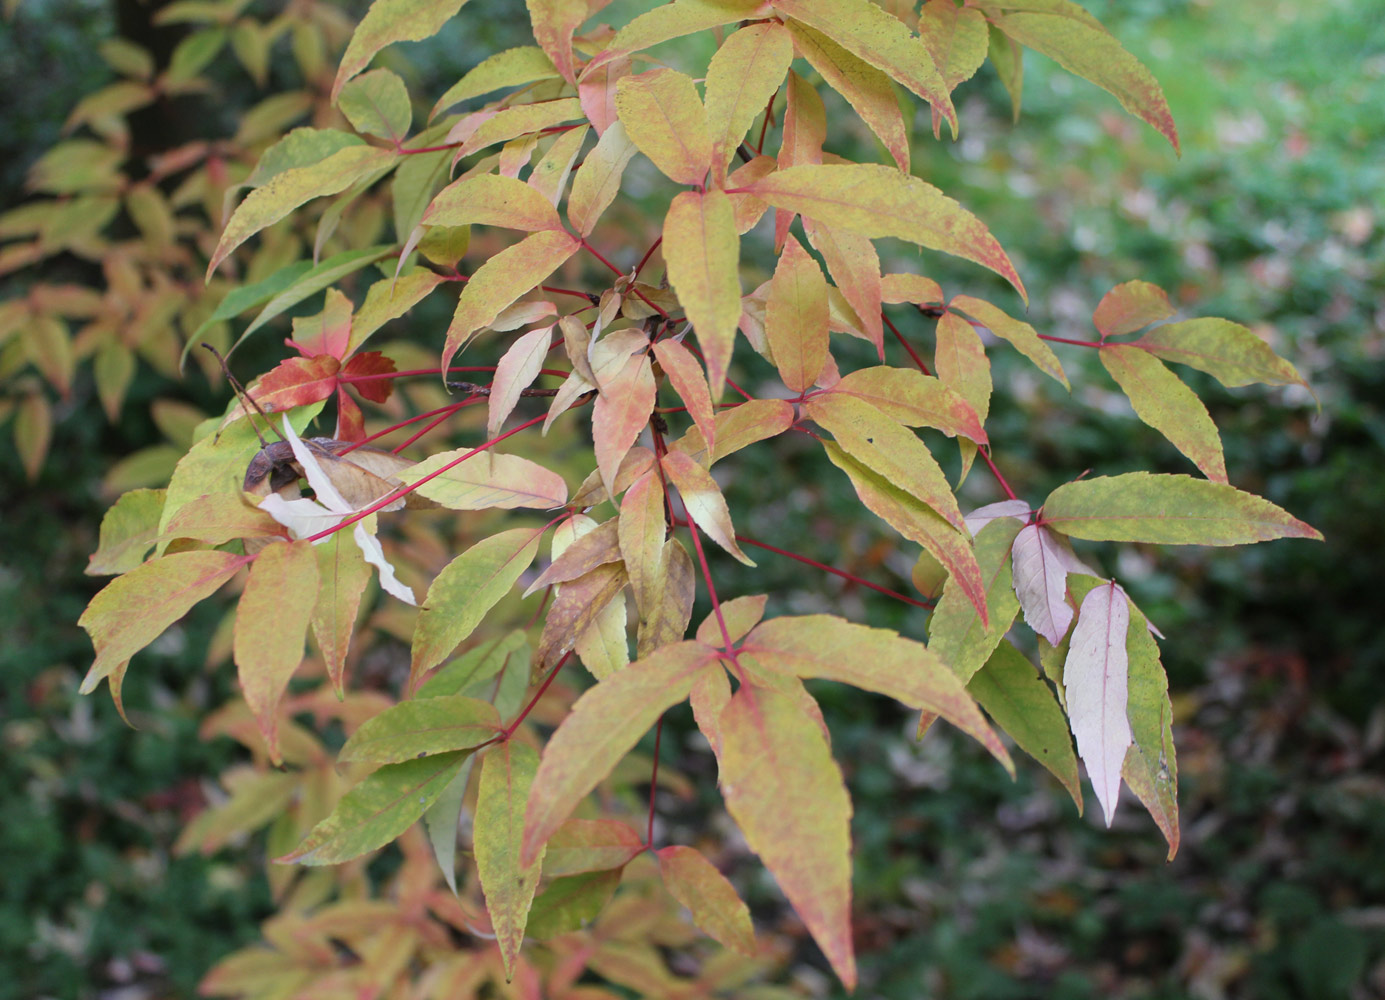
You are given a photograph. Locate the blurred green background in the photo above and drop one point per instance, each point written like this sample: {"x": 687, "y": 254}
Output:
{"x": 968, "y": 886}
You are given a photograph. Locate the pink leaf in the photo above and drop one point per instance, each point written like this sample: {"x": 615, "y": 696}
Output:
{"x": 1040, "y": 583}
{"x": 1095, "y": 679}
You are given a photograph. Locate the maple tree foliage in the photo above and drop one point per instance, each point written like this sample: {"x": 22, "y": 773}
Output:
{"x": 499, "y": 202}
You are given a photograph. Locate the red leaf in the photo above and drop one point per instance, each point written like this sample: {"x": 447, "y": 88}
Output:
{"x": 377, "y": 390}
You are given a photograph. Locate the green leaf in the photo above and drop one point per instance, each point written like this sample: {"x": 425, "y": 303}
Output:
{"x": 1163, "y": 402}
{"x": 296, "y": 186}
{"x": 377, "y": 810}
{"x": 377, "y": 103}
{"x": 422, "y": 727}
{"x": 1071, "y": 37}
{"x": 1229, "y": 352}
{"x": 320, "y": 276}
{"x": 507, "y": 772}
{"x": 710, "y": 898}
{"x": 133, "y": 610}
{"x": 510, "y": 68}
{"x": 955, "y": 634}
{"x": 128, "y": 531}
{"x": 785, "y": 792}
{"x": 302, "y": 147}
{"x": 442, "y": 819}
{"x": 604, "y": 724}
{"x": 244, "y": 297}
{"x": 830, "y": 648}
{"x": 387, "y": 22}
{"x": 875, "y": 201}
{"x": 476, "y": 666}
{"x": 916, "y": 521}
{"x": 1151, "y": 766}
{"x": 1168, "y": 510}
{"x": 271, "y": 627}
{"x": 570, "y": 904}
{"x": 467, "y": 588}
{"x": 703, "y": 252}
{"x": 1016, "y": 698}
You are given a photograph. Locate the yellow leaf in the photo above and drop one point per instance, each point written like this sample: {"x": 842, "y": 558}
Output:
{"x": 641, "y": 531}
{"x": 880, "y": 39}
{"x": 510, "y": 68}
{"x": 387, "y": 22}
{"x": 133, "y": 610}
{"x": 271, "y": 625}
{"x": 597, "y": 181}
{"x": 710, "y": 898}
{"x": 877, "y": 201}
{"x": 674, "y": 20}
{"x": 1164, "y": 402}
{"x": 703, "y": 253}
{"x": 664, "y": 118}
{"x": 492, "y": 200}
{"x": 867, "y": 89}
{"x": 1074, "y": 39}
{"x": 796, "y": 317}
{"x": 603, "y": 726}
{"x": 743, "y": 75}
{"x": 785, "y": 792}
{"x": 501, "y": 280}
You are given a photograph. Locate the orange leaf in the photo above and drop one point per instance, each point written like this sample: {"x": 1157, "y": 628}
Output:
{"x": 514, "y": 373}
{"x": 855, "y": 267}
{"x": 1131, "y": 306}
{"x": 295, "y": 382}
{"x": 620, "y": 413}
{"x": 703, "y": 501}
{"x": 688, "y": 381}
{"x": 554, "y": 22}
